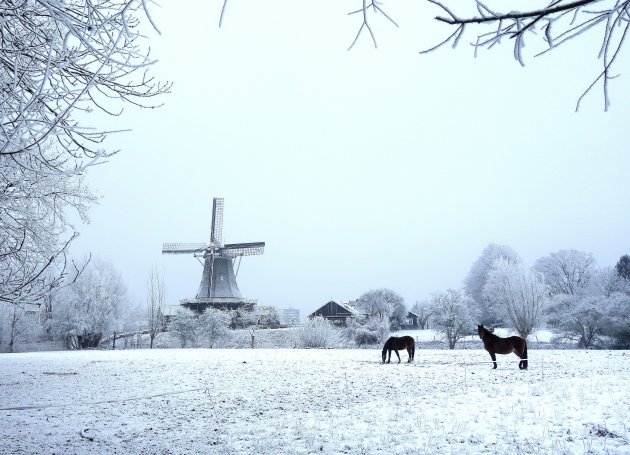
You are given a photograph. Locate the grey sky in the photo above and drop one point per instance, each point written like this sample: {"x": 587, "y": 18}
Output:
{"x": 360, "y": 169}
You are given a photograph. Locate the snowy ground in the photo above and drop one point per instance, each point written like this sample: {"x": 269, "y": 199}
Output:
{"x": 271, "y": 401}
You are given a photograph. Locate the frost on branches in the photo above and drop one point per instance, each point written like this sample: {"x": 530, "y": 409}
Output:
{"x": 59, "y": 60}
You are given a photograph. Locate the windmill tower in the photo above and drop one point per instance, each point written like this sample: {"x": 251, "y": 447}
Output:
{"x": 218, "y": 286}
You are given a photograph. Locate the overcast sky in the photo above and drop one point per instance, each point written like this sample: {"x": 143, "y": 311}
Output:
{"x": 360, "y": 169}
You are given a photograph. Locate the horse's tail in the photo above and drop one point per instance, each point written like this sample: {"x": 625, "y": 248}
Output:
{"x": 524, "y": 362}
{"x": 413, "y": 349}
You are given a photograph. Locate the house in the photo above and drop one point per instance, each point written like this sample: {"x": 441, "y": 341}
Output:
{"x": 336, "y": 313}
{"x": 411, "y": 321}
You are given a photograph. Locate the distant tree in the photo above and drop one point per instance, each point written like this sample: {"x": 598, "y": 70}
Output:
{"x": 424, "y": 310}
{"x": 316, "y": 333}
{"x": 608, "y": 281}
{"x": 214, "y": 325}
{"x": 519, "y": 296}
{"x": 185, "y": 325}
{"x": 567, "y": 271}
{"x": 90, "y": 307}
{"x": 454, "y": 315}
{"x": 580, "y": 318}
{"x": 478, "y": 275}
{"x": 623, "y": 267}
{"x": 21, "y": 323}
{"x": 617, "y": 325}
{"x": 383, "y": 303}
{"x": 155, "y": 306}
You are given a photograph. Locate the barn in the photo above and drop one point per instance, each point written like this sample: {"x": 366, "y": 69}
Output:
{"x": 336, "y": 313}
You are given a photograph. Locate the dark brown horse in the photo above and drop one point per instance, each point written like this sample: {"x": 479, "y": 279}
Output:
{"x": 497, "y": 345}
{"x": 396, "y": 343}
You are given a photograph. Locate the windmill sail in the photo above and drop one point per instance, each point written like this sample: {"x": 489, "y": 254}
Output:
{"x": 216, "y": 232}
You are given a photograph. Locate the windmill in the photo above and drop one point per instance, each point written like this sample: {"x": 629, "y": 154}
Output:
{"x": 218, "y": 286}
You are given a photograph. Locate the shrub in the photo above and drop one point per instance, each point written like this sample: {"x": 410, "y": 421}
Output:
{"x": 316, "y": 333}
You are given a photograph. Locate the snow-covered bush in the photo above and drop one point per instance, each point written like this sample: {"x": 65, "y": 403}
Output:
{"x": 214, "y": 325}
{"x": 267, "y": 316}
{"x": 316, "y": 333}
{"x": 185, "y": 325}
{"x": 367, "y": 331}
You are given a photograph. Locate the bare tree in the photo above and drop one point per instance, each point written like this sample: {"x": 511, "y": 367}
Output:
{"x": 155, "y": 306}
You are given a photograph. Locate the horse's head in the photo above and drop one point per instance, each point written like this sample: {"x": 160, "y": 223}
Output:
{"x": 481, "y": 331}
{"x": 384, "y": 354}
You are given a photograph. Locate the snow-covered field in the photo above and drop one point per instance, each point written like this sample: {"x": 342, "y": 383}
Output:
{"x": 271, "y": 401}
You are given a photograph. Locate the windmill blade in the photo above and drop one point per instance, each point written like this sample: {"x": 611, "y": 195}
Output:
{"x": 216, "y": 232}
{"x": 183, "y": 248}
{"x": 243, "y": 249}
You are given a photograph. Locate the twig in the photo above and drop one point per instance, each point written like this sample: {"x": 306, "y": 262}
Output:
{"x": 85, "y": 436}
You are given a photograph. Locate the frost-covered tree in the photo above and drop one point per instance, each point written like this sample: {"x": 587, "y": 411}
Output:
{"x": 155, "y": 306}
{"x": 90, "y": 307}
{"x": 545, "y": 28}
{"x": 316, "y": 333}
{"x": 424, "y": 310}
{"x": 580, "y": 318}
{"x": 567, "y": 271}
{"x": 478, "y": 275}
{"x": 214, "y": 324}
{"x": 185, "y": 325}
{"x": 59, "y": 60}
{"x": 518, "y": 296}
{"x": 454, "y": 315}
{"x": 618, "y": 320}
{"x": 383, "y": 303}
{"x": 608, "y": 281}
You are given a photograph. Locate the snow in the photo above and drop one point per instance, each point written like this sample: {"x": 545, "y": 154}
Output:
{"x": 297, "y": 401}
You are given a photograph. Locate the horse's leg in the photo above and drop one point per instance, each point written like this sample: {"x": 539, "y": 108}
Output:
{"x": 389, "y": 359}
{"x": 494, "y": 359}
{"x": 397, "y": 355}
{"x": 522, "y": 354}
